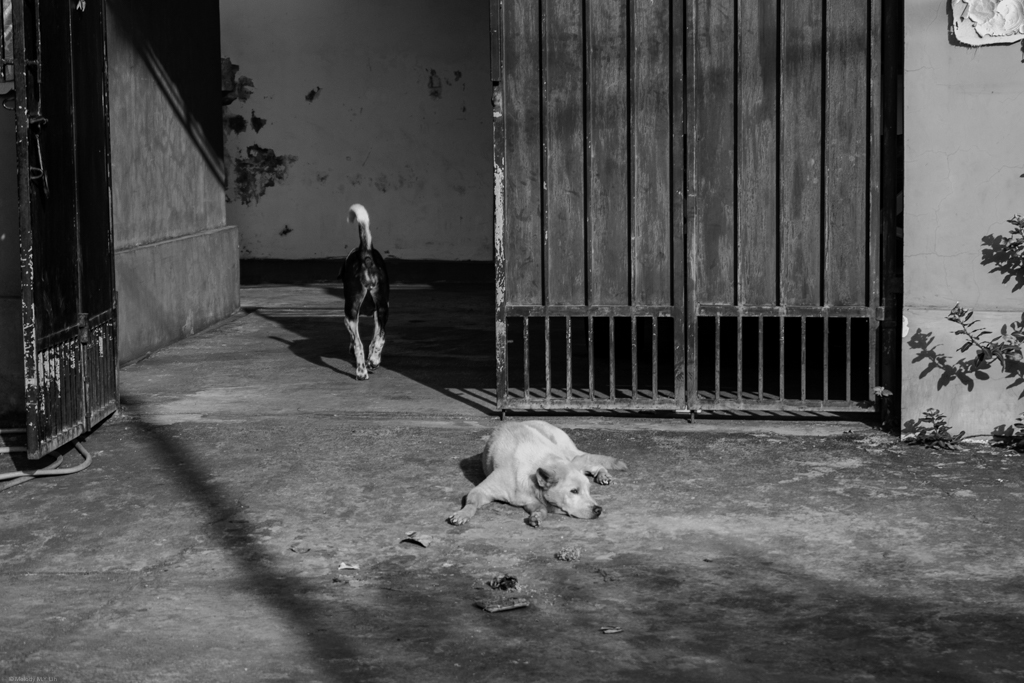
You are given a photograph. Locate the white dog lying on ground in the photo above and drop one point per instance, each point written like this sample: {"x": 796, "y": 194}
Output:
{"x": 537, "y": 466}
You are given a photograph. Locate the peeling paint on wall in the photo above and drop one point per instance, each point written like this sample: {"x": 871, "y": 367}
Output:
{"x": 235, "y": 124}
{"x": 259, "y": 169}
{"x": 427, "y": 161}
{"x": 228, "y": 73}
{"x": 382, "y": 182}
{"x": 434, "y": 84}
{"x": 232, "y": 87}
{"x": 245, "y": 88}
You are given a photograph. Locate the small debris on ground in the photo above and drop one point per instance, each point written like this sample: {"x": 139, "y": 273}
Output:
{"x": 417, "y": 538}
{"x": 346, "y": 565}
{"x": 569, "y": 554}
{"x": 502, "y": 604}
{"x": 610, "y": 629}
{"x": 299, "y": 548}
{"x": 505, "y": 583}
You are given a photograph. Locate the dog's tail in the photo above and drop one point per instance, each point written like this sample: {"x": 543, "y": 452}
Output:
{"x": 357, "y": 214}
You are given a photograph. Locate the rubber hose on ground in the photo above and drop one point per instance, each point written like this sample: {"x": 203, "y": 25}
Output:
{"x": 50, "y": 470}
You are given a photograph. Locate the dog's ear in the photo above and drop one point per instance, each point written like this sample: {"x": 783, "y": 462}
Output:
{"x": 545, "y": 478}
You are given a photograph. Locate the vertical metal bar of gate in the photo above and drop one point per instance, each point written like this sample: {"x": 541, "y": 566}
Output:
{"x": 98, "y": 312}
{"x": 26, "y": 51}
{"x": 681, "y": 155}
{"x": 498, "y": 133}
{"x": 690, "y": 76}
{"x": 876, "y": 98}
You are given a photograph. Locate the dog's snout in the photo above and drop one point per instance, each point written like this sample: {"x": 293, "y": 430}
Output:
{"x": 597, "y": 510}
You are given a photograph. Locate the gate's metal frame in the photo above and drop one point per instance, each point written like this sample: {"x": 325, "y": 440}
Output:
{"x": 686, "y": 310}
{"x": 552, "y": 397}
{"x": 70, "y": 373}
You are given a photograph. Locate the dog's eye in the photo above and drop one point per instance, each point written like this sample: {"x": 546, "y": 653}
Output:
{"x": 576, "y": 491}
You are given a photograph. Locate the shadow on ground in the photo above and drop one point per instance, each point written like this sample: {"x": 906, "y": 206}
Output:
{"x": 441, "y": 336}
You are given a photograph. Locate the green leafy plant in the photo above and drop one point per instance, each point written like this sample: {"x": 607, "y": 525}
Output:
{"x": 1007, "y": 347}
{"x": 988, "y": 350}
{"x": 1004, "y": 348}
{"x": 932, "y": 431}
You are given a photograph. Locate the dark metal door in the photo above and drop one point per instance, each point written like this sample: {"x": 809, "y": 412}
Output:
{"x": 68, "y": 301}
{"x": 688, "y": 193}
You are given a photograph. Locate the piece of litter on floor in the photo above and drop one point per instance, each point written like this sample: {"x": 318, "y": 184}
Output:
{"x": 610, "y": 629}
{"x": 502, "y": 604}
{"x": 417, "y": 538}
{"x": 570, "y": 554}
{"x": 506, "y": 582}
{"x": 346, "y": 565}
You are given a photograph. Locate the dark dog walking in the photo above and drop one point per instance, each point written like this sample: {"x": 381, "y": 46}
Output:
{"x": 366, "y": 291}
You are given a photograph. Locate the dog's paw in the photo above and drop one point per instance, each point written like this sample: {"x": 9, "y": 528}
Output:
{"x": 534, "y": 520}
{"x": 602, "y": 478}
{"x": 361, "y": 373}
{"x": 457, "y": 519}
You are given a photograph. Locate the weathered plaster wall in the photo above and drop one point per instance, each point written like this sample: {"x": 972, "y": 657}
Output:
{"x": 385, "y": 103}
{"x": 12, "y": 374}
{"x": 964, "y": 146}
{"x": 176, "y": 259}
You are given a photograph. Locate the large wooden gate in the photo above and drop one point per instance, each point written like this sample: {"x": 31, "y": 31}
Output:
{"x": 688, "y": 192}
{"x": 68, "y": 301}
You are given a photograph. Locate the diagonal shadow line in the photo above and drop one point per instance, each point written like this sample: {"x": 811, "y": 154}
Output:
{"x": 286, "y": 594}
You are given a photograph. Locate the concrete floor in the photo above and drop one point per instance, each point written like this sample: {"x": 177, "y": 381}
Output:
{"x": 248, "y": 465}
